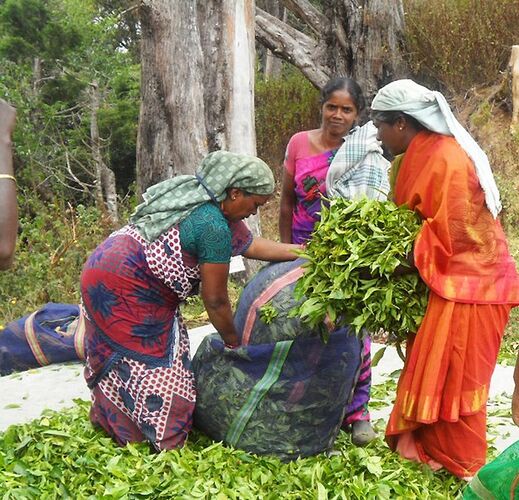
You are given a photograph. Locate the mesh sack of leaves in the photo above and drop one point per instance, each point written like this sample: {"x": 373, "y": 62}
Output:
{"x": 349, "y": 276}
{"x": 294, "y": 411}
{"x": 263, "y": 313}
{"x": 272, "y": 395}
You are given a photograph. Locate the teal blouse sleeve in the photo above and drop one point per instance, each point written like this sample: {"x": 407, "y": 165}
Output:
{"x": 205, "y": 234}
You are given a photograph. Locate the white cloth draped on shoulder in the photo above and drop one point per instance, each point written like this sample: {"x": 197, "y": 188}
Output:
{"x": 358, "y": 168}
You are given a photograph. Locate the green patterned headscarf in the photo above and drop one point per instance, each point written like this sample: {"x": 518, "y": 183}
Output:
{"x": 172, "y": 200}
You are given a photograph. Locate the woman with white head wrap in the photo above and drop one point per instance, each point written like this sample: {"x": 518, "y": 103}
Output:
{"x": 461, "y": 253}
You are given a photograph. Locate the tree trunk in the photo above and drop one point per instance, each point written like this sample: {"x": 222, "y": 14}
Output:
{"x": 273, "y": 64}
{"x": 361, "y": 39}
{"x": 171, "y": 137}
{"x": 197, "y": 60}
{"x": 106, "y": 194}
{"x": 36, "y": 75}
{"x": 197, "y": 85}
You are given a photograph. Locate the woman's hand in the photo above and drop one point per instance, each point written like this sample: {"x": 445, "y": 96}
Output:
{"x": 273, "y": 251}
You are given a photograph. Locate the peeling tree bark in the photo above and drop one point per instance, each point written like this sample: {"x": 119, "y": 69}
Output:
{"x": 197, "y": 86}
{"x": 273, "y": 65}
{"x": 106, "y": 194}
{"x": 293, "y": 46}
{"x": 361, "y": 39}
{"x": 171, "y": 136}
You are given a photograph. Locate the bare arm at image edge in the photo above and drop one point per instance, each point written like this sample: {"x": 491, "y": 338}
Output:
{"x": 8, "y": 207}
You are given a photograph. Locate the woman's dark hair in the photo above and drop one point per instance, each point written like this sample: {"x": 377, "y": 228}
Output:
{"x": 245, "y": 193}
{"x": 347, "y": 84}
{"x": 392, "y": 116}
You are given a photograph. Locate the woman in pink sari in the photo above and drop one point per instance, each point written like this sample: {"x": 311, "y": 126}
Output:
{"x": 358, "y": 170}
{"x": 308, "y": 158}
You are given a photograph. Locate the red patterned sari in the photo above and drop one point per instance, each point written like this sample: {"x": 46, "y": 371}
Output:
{"x": 138, "y": 364}
{"x": 461, "y": 253}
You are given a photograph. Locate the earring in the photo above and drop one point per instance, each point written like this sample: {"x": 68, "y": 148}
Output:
{"x": 233, "y": 198}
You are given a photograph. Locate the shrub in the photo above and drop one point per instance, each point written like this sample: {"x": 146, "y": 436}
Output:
{"x": 284, "y": 106}
{"x": 460, "y": 43}
{"x": 53, "y": 243}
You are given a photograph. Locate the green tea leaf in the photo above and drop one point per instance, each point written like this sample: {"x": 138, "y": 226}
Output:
{"x": 350, "y": 273}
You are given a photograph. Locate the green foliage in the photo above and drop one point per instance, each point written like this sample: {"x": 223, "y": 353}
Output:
{"x": 268, "y": 313}
{"x": 62, "y": 456}
{"x": 34, "y": 28}
{"x": 350, "y": 275}
{"x": 118, "y": 122}
{"x": 23, "y": 24}
{"x": 460, "y": 43}
{"x": 54, "y": 243}
{"x": 76, "y": 47}
{"x": 284, "y": 106}
{"x": 482, "y": 116}
{"x": 126, "y": 35}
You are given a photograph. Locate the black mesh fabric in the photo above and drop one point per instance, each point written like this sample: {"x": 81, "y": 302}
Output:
{"x": 302, "y": 412}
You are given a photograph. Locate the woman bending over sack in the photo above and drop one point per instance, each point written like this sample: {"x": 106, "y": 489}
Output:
{"x": 184, "y": 234}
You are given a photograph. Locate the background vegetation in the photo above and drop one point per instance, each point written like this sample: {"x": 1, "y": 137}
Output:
{"x": 459, "y": 44}
{"x": 50, "y": 53}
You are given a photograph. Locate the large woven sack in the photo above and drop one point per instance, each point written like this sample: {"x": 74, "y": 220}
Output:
{"x": 284, "y": 391}
{"x": 52, "y": 334}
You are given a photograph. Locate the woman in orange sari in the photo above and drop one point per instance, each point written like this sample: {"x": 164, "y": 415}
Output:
{"x": 461, "y": 253}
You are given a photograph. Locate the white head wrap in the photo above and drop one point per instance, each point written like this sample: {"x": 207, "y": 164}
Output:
{"x": 431, "y": 109}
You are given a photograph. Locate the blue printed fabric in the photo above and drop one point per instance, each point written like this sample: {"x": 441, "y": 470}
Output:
{"x": 53, "y": 334}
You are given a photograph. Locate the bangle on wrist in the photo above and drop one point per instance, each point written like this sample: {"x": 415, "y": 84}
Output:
{"x": 7, "y": 176}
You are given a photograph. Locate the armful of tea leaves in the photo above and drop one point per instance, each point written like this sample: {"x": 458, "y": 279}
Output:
{"x": 360, "y": 270}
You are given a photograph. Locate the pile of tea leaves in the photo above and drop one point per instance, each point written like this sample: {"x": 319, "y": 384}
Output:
{"x": 350, "y": 274}
{"x": 62, "y": 456}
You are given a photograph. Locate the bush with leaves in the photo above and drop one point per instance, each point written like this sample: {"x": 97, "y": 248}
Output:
{"x": 53, "y": 244}
{"x": 460, "y": 43}
{"x": 284, "y": 106}
{"x": 350, "y": 274}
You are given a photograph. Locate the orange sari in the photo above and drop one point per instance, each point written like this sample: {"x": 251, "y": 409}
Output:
{"x": 461, "y": 253}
